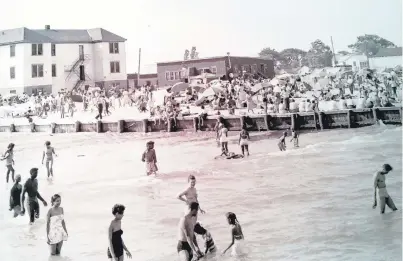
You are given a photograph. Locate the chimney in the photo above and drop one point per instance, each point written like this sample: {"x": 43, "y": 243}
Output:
{"x": 47, "y": 27}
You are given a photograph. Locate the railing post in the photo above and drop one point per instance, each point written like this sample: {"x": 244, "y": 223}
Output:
{"x": 375, "y": 114}
{"x": 320, "y": 115}
{"x": 99, "y": 126}
{"x": 78, "y": 126}
{"x": 121, "y": 126}
{"x": 195, "y": 123}
{"x": 145, "y": 125}
{"x": 349, "y": 118}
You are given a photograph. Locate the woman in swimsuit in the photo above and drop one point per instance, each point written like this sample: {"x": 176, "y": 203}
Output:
{"x": 281, "y": 142}
{"x": 9, "y": 158}
{"x": 236, "y": 235}
{"x": 116, "y": 244}
{"x": 56, "y": 227}
{"x": 190, "y": 194}
{"x": 243, "y": 141}
{"x": 48, "y": 152}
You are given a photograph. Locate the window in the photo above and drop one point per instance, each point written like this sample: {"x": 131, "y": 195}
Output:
{"x": 214, "y": 69}
{"x": 171, "y": 76}
{"x": 12, "y": 50}
{"x": 53, "y": 50}
{"x": 37, "y": 70}
{"x": 363, "y": 64}
{"x": 167, "y": 76}
{"x": 177, "y": 76}
{"x": 54, "y": 70}
{"x": 37, "y": 49}
{"x": 115, "y": 67}
{"x": 12, "y": 72}
{"x": 113, "y": 47}
{"x": 254, "y": 68}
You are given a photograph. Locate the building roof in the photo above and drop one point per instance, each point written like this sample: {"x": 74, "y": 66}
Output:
{"x": 387, "y": 52}
{"x": 132, "y": 76}
{"x": 215, "y": 58}
{"x": 25, "y": 35}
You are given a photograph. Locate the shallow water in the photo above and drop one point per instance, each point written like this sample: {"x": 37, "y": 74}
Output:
{"x": 312, "y": 203}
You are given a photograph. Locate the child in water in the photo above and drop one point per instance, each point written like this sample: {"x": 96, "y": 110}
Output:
{"x": 15, "y": 197}
{"x": 150, "y": 158}
{"x": 49, "y": 152}
{"x": 243, "y": 141}
{"x": 236, "y": 235}
{"x": 294, "y": 137}
{"x": 224, "y": 141}
{"x": 281, "y": 142}
{"x": 208, "y": 239}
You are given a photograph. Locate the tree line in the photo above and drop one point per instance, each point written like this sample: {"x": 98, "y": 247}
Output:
{"x": 320, "y": 55}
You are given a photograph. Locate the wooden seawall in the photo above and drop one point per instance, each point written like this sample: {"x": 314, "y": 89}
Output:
{"x": 300, "y": 121}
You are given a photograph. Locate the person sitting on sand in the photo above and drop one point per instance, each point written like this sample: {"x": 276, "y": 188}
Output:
{"x": 379, "y": 183}
{"x": 281, "y": 142}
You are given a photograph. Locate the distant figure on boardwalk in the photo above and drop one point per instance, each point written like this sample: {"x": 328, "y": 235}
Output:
{"x": 9, "y": 158}
{"x": 150, "y": 158}
{"x": 49, "y": 152}
{"x": 379, "y": 183}
{"x": 56, "y": 227}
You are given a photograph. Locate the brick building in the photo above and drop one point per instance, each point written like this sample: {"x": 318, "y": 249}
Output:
{"x": 170, "y": 73}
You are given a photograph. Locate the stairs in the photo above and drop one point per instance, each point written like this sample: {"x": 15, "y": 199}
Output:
{"x": 77, "y": 84}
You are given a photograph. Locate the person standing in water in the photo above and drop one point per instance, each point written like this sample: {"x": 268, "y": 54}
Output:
{"x": 244, "y": 141}
{"x": 116, "y": 244}
{"x": 281, "y": 142}
{"x": 31, "y": 187}
{"x": 9, "y": 158}
{"x": 15, "y": 196}
{"x": 379, "y": 183}
{"x": 294, "y": 137}
{"x": 49, "y": 152}
{"x": 236, "y": 235}
{"x": 55, "y": 226}
{"x": 187, "y": 243}
{"x": 190, "y": 193}
{"x": 150, "y": 158}
{"x": 224, "y": 141}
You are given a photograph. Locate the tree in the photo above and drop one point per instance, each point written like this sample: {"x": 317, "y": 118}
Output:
{"x": 293, "y": 57}
{"x": 369, "y": 44}
{"x": 186, "y": 55}
{"x": 319, "y": 55}
{"x": 193, "y": 53}
{"x": 269, "y": 53}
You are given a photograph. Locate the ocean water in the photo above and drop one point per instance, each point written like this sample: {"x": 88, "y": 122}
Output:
{"x": 311, "y": 203}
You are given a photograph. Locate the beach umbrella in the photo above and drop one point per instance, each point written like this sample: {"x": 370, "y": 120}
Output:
{"x": 179, "y": 87}
{"x": 212, "y": 91}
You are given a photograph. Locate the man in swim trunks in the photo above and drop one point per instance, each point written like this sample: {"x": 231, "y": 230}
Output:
{"x": 379, "y": 183}
{"x": 31, "y": 187}
{"x": 49, "y": 152}
{"x": 187, "y": 244}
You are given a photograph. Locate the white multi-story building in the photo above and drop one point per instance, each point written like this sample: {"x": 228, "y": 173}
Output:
{"x": 50, "y": 60}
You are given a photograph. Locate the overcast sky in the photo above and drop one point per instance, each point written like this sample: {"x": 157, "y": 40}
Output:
{"x": 165, "y": 28}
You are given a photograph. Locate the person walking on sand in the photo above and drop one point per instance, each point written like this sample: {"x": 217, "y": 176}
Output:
{"x": 9, "y": 158}
{"x": 31, "y": 187}
{"x": 56, "y": 226}
{"x": 49, "y": 152}
{"x": 244, "y": 141}
{"x": 150, "y": 158}
{"x": 116, "y": 244}
{"x": 187, "y": 242}
{"x": 190, "y": 194}
{"x": 15, "y": 196}
{"x": 380, "y": 184}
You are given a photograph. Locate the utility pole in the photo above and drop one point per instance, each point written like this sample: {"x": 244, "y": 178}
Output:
{"x": 138, "y": 70}
{"x": 334, "y": 54}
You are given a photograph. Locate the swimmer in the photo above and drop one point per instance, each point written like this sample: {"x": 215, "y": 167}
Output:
{"x": 244, "y": 141}
{"x": 232, "y": 155}
{"x": 236, "y": 235}
{"x": 208, "y": 239}
{"x": 190, "y": 193}
{"x": 294, "y": 137}
{"x": 49, "y": 152}
{"x": 150, "y": 158}
{"x": 116, "y": 244}
{"x": 31, "y": 187}
{"x": 56, "y": 230}
{"x": 15, "y": 197}
{"x": 187, "y": 243}
{"x": 9, "y": 158}
{"x": 224, "y": 141}
{"x": 281, "y": 142}
{"x": 379, "y": 183}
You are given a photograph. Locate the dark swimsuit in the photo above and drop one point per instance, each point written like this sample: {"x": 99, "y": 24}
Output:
{"x": 117, "y": 244}
{"x": 16, "y": 196}
{"x": 182, "y": 245}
